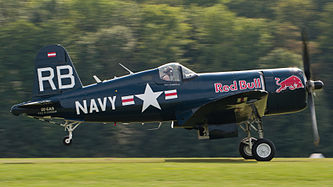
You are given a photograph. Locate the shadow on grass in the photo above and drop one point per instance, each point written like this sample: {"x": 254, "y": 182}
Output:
{"x": 210, "y": 160}
{"x": 123, "y": 160}
{"x": 18, "y": 163}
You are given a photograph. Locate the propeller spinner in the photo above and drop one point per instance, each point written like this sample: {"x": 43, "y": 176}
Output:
{"x": 311, "y": 86}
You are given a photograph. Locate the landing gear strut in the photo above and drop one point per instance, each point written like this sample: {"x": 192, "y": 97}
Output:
{"x": 70, "y": 127}
{"x": 251, "y": 148}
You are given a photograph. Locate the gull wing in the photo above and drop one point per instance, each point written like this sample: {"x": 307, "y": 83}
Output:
{"x": 236, "y": 108}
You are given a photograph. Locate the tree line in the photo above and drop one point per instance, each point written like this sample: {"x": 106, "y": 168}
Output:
{"x": 205, "y": 36}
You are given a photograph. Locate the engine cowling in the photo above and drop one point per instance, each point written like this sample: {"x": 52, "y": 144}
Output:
{"x": 287, "y": 90}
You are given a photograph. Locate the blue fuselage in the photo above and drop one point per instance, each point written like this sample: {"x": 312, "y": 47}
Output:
{"x": 117, "y": 100}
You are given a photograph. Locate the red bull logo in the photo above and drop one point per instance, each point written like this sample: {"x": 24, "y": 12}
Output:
{"x": 292, "y": 82}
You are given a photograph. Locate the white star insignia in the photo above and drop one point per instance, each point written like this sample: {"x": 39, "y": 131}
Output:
{"x": 149, "y": 98}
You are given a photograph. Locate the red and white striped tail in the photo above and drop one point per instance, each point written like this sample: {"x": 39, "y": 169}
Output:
{"x": 51, "y": 54}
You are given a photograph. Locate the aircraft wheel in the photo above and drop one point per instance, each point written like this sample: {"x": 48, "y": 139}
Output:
{"x": 263, "y": 150}
{"x": 67, "y": 140}
{"x": 245, "y": 151}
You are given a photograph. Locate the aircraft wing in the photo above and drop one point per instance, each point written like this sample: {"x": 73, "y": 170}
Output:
{"x": 231, "y": 109}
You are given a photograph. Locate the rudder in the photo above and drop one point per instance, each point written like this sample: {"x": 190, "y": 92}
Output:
{"x": 54, "y": 72}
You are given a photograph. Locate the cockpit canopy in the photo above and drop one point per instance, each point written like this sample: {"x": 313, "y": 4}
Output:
{"x": 175, "y": 72}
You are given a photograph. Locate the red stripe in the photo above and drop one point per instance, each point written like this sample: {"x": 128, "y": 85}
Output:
{"x": 127, "y": 100}
{"x": 52, "y": 54}
{"x": 171, "y": 94}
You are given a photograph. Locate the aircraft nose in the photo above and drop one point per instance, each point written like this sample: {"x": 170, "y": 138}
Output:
{"x": 318, "y": 85}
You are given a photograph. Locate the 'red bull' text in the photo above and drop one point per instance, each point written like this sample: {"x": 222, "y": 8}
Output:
{"x": 238, "y": 85}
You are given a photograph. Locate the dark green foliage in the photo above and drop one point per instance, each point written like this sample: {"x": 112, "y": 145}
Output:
{"x": 215, "y": 35}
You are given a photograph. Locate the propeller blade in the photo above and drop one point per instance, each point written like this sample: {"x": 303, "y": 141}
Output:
{"x": 306, "y": 58}
{"x": 314, "y": 120}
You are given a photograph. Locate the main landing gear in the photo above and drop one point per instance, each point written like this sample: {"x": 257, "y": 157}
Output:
{"x": 251, "y": 148}
{"x": 70, "y": 127}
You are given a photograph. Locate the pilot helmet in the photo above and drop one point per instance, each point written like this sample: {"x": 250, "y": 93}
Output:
{"x": 168, "y": 70}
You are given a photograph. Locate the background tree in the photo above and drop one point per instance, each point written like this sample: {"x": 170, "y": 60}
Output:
{"x": 216, "y": 35}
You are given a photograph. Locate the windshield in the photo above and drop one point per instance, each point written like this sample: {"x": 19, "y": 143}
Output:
{"x": 187, "y": 73}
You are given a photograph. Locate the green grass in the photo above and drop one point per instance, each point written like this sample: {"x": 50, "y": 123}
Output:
{"x": 165, "y": 172}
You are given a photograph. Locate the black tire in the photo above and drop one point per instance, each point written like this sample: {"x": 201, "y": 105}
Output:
{"x": 244, "y": 150}
{"x": 67, "y": 141}
{"x": 263, "y": 150}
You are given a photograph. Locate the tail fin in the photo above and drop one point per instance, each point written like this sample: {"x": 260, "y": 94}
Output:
{"x": 54, "y": 72}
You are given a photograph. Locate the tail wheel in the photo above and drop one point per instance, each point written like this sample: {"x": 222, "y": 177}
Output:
{"x": 263, "y": 150}
{"x": 67, "y": 140}
{"x": 70, "y": 126}
{"x": 245, "y": 150}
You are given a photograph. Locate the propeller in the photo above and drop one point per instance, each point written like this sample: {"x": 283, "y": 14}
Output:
{"x": 310, "y": 86}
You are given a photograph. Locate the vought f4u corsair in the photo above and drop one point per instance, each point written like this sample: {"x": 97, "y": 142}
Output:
{"x": 214, "y": 104}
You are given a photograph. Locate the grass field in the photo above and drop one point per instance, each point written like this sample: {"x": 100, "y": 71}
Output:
{"x": 165, "y": 172}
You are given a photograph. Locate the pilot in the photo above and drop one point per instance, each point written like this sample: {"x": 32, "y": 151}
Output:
{"x": 167, "y": 74}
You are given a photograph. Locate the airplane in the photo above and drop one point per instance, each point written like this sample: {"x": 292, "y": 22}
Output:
{"x": 213, "y": 104}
